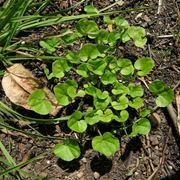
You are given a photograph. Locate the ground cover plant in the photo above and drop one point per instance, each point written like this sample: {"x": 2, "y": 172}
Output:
{"x": 101, "y": 96}
{"x": 107, "y": 86}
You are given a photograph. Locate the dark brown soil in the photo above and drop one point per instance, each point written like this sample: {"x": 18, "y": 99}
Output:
{"x": 140, "y": 157}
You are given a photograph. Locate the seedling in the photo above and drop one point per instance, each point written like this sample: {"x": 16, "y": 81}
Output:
{"x": 110, "y": 83}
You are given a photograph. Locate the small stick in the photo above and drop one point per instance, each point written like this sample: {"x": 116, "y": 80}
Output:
{"x": 160, "y": 6}
{"x": 174, "y": 118}
{"x": 166, "y": 36}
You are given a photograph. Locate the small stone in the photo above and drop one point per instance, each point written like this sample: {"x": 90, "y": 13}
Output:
{"x": 84, "y": 160}
{"x": 170, "y": 167}
{"x": 96, "y": 175}
{"x": 136, "y": 173}
{"x": 48, "y": 161}
{"x": 80, "y": 175}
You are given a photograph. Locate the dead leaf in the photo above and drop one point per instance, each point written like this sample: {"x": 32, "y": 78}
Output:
{"x": 18, "y": 83}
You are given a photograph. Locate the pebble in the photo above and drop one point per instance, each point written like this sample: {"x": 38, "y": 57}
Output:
{"x": 48, "y": 162}
{"x": 96, "y": 175}
{"x": 136, "y": 173}
{"x": 84, "y": 160}
{"x": 170, "y": 167}
{"x": 80, "y": 175}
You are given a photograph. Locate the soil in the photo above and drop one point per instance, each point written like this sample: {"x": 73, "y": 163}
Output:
{"x": 140, "y": 157}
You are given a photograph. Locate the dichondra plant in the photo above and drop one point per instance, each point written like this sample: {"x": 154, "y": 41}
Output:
{"x": 106, "y": 85}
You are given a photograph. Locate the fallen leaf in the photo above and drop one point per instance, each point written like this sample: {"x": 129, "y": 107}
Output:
{"x": 18, "y": 83}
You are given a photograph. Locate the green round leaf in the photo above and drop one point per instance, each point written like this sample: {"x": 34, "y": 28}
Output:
{"x": 142, "y": 126}
{"x": 102, "y": 95}
{"x": 68, "y": 151}
{"x": 106, "y": 144}
{"x": 62, "y": 97}
{"x": 89, "y": 51}
{"x": 82, "y": 70}
{"x": 101, "y": 103}
{"x": 119, "y": 88}
{"x": 124, "y": 115}
{"x": 126, "y": 66}
{"x": 113, "y": 37}
{"x": 87, "y": 27}
{"x": 140, "y": 42}
{"x": 75, "y": 124}
{"x": 91, "y": 90}
{"x": 91, "y": 10}
{"x": 135, "y": 90}
{"x": 108, "y": 77}
{"x": 125, "y": 37}
{"x": 144, "y": 65}
{"x": 59, "y": 67}
{"x": 136, "y": 103}
{"x": 102, "y": 37}
{"x": 121, "y": 22}
{"x": 38, "y": 102}
{"x": 165, "y": 98}
{"x": 92, "y": 118}
{"x": 71, "y": 91}
{"x": 121, "y": 104}
{"x": 157, "y": 87}
{"x": 105, "y": 116}
{"x": 73, "y": 57}
{"x": 97, "y": 66}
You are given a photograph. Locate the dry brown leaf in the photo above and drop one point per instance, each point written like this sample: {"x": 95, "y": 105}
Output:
{"x": 18, "y": 83}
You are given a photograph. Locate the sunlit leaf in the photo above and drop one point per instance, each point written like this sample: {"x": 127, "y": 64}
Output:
{"x": 106, "y": 144}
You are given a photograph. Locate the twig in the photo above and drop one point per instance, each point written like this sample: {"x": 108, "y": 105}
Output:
{"x": 168, "y": 36}
{"x": 160, "y": 4}
{"x": 174, "y": 118}
{"x": 178, "y": 109}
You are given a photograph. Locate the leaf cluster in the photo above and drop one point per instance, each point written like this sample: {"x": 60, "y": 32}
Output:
{"x": 107, "y": 80}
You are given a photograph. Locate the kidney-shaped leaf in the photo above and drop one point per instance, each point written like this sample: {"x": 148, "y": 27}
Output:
{"x": 121, "y": 104}
{"x": 39, "y": 103}
{"x": 142, "y": 126}
{"x": 157, "y": 87}
{"x": 126, "y": 66}
{"x": 68, "y": 151}
{"x": 108, "y": 77}
{"x": 87, "y": 27}
{"x": 97, "y": 66}
{"x": 165, "y": 98}
{"x": 135, "y": 90}
{"x": 89, "y": 9}
{"x": 76, "y": 124}
{"x": 121, "y": 22}
{"x": 89, "y": 51}
{"x": 106, "y": 144}
{"x": 105, "y": 116}
{"x": 144, "y": 65}
{"x": 124, "y": 115}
